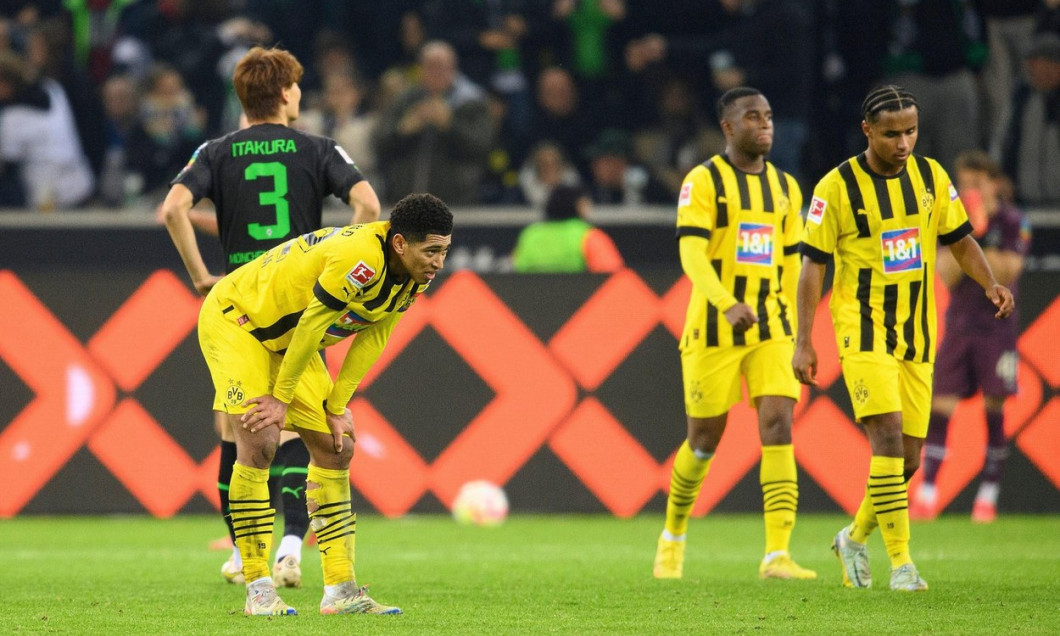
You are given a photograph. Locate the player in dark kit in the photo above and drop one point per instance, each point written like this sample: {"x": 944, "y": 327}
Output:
{"x": 267, "y": 182}
{"x": 977, "y": 352}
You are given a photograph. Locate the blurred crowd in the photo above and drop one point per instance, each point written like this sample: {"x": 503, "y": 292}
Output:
{"x": 497, "y": 101}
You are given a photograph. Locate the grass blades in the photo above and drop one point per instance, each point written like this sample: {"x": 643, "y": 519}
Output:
{"x": 534, "y": 574}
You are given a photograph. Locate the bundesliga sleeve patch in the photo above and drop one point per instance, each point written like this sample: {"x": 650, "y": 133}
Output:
{"x": 953, "y": 193}
{"x": 686, "y": 196}
{"x": 360, "y": 275}
{"x": 816, "y": 212}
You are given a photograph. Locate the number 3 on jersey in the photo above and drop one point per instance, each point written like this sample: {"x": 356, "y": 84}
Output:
{"x": 274, "y": 197}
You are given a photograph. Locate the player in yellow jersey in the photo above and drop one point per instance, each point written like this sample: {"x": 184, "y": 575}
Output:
{"x": 738, "y": 225}
{"x": 260, "y": 329}
{"x": 880, "y": 215}
{"x": 268, "y": 183}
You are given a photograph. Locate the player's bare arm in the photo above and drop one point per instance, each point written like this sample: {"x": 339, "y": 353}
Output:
{"x": 971, "y": 259}
{"x": 174, "y": 212}
{"x": 1006, "y": 265}
{"x": 811, "y": 284}
{"x": 365, "y": 203}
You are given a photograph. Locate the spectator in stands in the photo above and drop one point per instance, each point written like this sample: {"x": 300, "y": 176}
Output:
{"x": 436, "y": 135}
{"x": 616, "y": 180}
{"x": 545, "y": 168}
{"x": 935, "y": 50}
{"x": 171, "y": 127}
{"x": 1031, "y": 148}
{"x": 561, "y": 117}
{"x": 344, "y": 116}
{"x": 490, "y": 39}
{"x": 679, "y": 139}
{"x": 768, "y": 44}
{"x": 121, "y": 109}
{"x": 565, "y": 242}
{"x": 1009, "y": 26}
{"x": 38, "y": 138}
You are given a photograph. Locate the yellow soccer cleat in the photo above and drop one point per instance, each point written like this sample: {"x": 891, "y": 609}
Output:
{"x": 351, "y": 599}
{"x": 782, "y": 566}
{"x": 262, "y": 600}
{"x": 232, "y": 572}
{"x": 287, "y": 572}
{"x": 669, "y": 559}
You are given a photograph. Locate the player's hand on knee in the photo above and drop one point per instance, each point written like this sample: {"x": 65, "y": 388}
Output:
{"x": 266, "y": 411}
{"x": 341, "y": 425}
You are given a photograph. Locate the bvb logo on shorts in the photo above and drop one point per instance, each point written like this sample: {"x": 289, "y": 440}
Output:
{"x": 860, "y": 393}
{"x": 234, "y": 396}
{"x": 695, "y": 394}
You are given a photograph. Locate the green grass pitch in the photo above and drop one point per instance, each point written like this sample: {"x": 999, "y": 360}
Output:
{"x": 534, "y": 574}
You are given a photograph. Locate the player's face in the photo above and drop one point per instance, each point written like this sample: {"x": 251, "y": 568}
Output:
{"x": 423, "y": 260}
{"x": 892, "y": 138}
{"x": 750, "y": 124}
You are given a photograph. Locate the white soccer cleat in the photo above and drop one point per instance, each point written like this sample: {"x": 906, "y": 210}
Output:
{"x": 854, "y": 557}
{"x": 262, "y": 600}
{"x": 906, "y": 579}
{"x": 351, "y": 599}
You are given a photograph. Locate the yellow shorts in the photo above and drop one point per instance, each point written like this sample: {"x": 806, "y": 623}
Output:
{"x": 242, "y": 368}
{"x": 880, "y": 383}
{"x": 712, "y": 375}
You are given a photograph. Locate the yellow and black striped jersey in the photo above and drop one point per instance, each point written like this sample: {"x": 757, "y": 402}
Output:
{"x": 883, "y": 233}
{"x": 751, "y": 222}
{"x": 331, "y": 283}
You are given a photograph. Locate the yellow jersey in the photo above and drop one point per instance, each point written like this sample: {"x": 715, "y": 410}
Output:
{"x": 751, "y": 222}
{"x": 883, "y": 233}
{"x": 332, "y": 283}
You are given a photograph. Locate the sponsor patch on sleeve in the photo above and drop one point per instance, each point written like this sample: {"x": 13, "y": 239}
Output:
{"x": 360, "y": 275}
{"x": 816, "y": 212}
{"x": 953, "y": 193}
{"x": 686, "y": 196}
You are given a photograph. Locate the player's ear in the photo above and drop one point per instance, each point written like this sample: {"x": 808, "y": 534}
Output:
{"x": 399, "y": 243}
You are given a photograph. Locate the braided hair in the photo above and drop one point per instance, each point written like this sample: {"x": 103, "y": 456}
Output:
{"x": 890, "y": 98}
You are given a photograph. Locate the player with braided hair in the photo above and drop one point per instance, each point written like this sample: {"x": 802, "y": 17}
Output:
{"x": 881, "y": 215}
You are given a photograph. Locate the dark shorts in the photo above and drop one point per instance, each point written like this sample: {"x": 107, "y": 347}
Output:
{"x": 968, "y": 362}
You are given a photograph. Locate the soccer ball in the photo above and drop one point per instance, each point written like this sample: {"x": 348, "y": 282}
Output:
{"x": 481, "y": 503}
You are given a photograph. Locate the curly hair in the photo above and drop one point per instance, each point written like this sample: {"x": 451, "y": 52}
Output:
{"x": 417, "y": 215}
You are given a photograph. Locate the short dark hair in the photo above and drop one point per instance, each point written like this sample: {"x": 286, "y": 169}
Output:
{"x": 731, "y": 96}
{"x": 562, "y": 203}
{"x": 417, "y": 215}
{"x": 890, "y": 97}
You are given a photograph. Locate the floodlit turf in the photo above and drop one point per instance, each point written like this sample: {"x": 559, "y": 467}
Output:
{"x": 574, "y": 575}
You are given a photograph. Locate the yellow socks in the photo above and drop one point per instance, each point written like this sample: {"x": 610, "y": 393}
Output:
{"x": 252, "y": 518}
{"x": 333, "y": 521}
{"x": 887, "y": 489}
{"x": 864, "y": 520}
{"x": 780, "y": 495}
{"x": 685, "y": 482}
